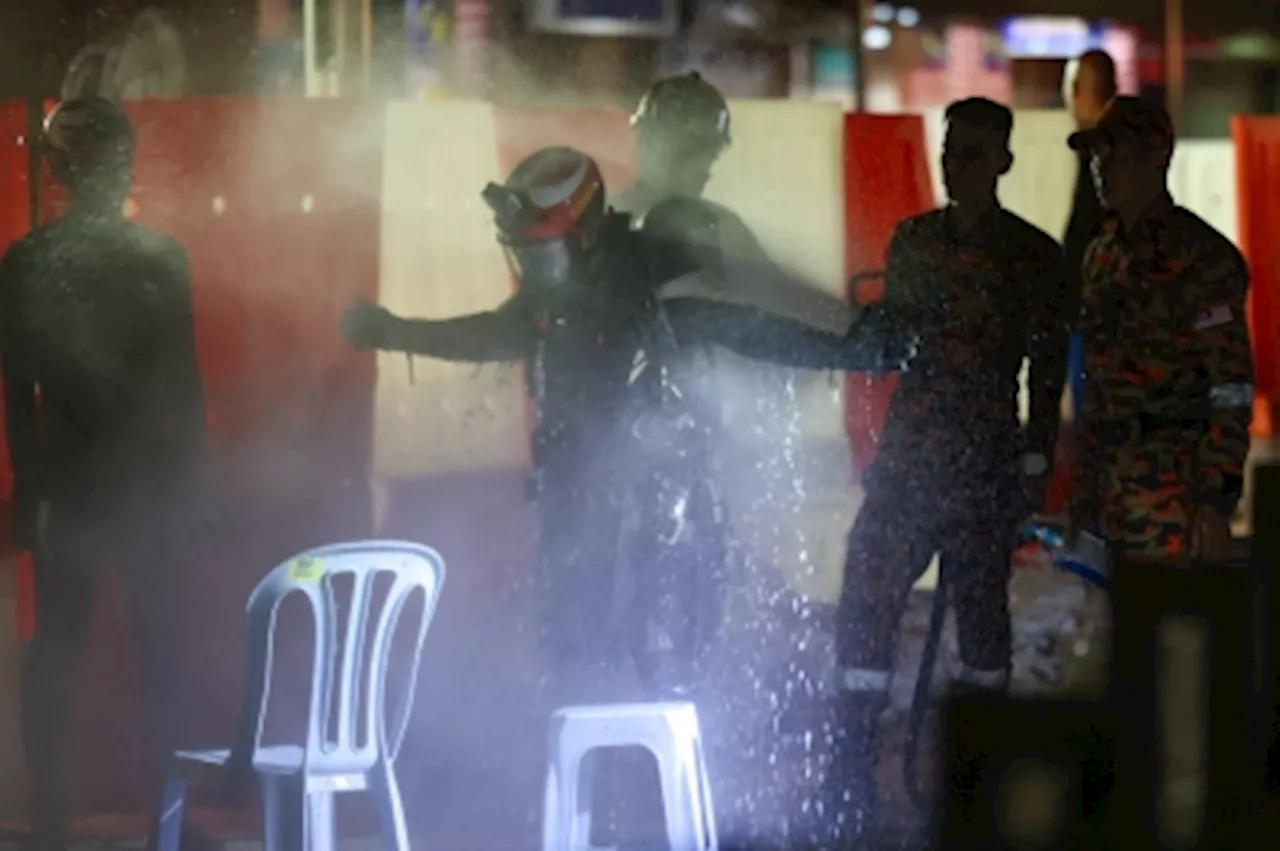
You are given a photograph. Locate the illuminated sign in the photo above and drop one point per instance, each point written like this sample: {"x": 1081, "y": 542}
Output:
{"x": 1049, "y": 37}
{"x": 653, "y": 18}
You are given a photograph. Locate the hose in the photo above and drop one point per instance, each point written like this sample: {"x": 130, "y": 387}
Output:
{"x": 929, "y": 661}
{"x": 920, "y": 698}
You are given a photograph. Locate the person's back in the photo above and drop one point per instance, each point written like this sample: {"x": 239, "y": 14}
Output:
{"x": 97, "y": 313}
{"x": 104, "y": 416}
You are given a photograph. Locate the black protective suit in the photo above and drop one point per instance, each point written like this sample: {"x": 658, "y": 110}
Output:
{"x": 105, "y": 421}
{"x": 619, "y": 456}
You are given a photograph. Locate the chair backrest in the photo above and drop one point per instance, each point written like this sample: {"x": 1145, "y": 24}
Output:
{"x": 349, "y": 727}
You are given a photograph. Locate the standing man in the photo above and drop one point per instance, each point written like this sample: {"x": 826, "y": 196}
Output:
{"x": 1169, "y": 371}
{"x": 105, "y": 421}
{"x": 983, "y": 290}
{"x": 1168, "y": 377}
{"x": 682, "y": 127}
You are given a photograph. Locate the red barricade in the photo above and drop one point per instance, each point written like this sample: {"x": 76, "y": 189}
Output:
{"x": 1257, "y": 144}
{"x": 886, "y": 178}
{"x": 15, "y": 220}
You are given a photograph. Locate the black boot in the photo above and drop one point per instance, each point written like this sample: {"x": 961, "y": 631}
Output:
{"x": 850, "y": 797}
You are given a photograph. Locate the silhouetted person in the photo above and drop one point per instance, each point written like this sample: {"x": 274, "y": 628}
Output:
{"x": 983, "y": 290}
{"x": 105, "y": 421}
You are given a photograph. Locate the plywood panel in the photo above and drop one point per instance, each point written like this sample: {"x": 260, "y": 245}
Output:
{"x": 440, "y": 259}
{"x": 784, "y": 177}
{"x": 1043, "y": 180}
{"x": 1200, "y": 179}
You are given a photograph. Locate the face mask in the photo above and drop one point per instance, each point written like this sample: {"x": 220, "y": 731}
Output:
{"x": 549, "y": 271}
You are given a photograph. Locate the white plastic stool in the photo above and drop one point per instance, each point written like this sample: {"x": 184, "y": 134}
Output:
{"x": 669, "y": 731}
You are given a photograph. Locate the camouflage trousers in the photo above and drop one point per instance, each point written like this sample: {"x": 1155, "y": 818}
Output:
{"x": 1146, "y": 505}
{"x": 1146, "y": 515}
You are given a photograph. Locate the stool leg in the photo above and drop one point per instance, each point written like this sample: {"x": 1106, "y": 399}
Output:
{"x": 679, "y": 800}
{"x": 583, "y": 802}
{"x": 710, "y": 839}
{"x": 169, "y": 822}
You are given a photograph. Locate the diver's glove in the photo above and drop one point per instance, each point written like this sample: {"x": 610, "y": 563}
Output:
{"x": 369, "y": 326}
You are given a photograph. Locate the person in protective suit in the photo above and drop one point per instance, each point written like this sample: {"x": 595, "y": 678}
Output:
{"x": 614, "y": 440}
{"x": 105, "y": 422}
{"x": 682, "y": 127}
{"x": 954, "y": 474}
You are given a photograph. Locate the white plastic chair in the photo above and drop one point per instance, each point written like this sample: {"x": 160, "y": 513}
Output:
{"x": 345, "y": 750}
{"x": 669, "y": 731}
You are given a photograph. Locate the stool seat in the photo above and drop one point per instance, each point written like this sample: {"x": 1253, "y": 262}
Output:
{"x": 668, "y": 731}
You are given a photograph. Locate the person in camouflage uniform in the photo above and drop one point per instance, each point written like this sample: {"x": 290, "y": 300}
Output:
{"x": 954, "y": 474}
{"x": 1169, "y": 373}
{"x": 1168, "y": 393}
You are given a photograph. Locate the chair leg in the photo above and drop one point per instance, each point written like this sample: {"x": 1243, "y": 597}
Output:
{"x": 395, "y": 834}
{"x": 168, "y": 826}
{"x": 283, "y": 814}
{"x": 319, "y": 824}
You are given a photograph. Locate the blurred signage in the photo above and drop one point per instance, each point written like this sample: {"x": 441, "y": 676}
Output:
{"x": 655, "y": 18}
{"x": 833, "y": 67}
{"x": 1038, "y": 37}
{"x": 428, "y": 28}
{"x": 934, "y": 47}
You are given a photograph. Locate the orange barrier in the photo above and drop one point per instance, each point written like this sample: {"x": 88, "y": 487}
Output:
{"x": 1257, "y": 141}
{"x": 886, "y": 178}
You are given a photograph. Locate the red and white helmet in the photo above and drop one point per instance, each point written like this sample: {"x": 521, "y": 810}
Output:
{"x": 549, "y": 213}
{"x": 552, "y": 194}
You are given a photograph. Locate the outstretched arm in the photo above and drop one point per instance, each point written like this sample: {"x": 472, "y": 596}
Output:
{"x": 775, "y": 339}
{"x": 763, "y": 336}
{"x": 502, "y": 334}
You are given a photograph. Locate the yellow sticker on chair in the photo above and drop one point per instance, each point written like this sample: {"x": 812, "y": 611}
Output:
{"x": 305, "y": 570}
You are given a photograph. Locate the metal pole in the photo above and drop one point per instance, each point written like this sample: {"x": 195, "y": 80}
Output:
{"x": 856, "y": 64}
{"x": 366, "y": 44}
{"x": 1174, "y": 61}
{"x": 309, "y": 46}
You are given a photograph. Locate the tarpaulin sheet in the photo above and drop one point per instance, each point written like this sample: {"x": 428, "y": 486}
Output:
{"x": 886, "y": 178}
{"x": 1257, "y": 140}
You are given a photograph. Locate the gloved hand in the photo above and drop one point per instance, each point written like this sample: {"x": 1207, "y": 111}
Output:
{"x": 367, "y": 325}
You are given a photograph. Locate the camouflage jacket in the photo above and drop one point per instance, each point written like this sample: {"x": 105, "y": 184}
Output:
{"x": 981, "y": 303}
{"x": 1166, "y": 352}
